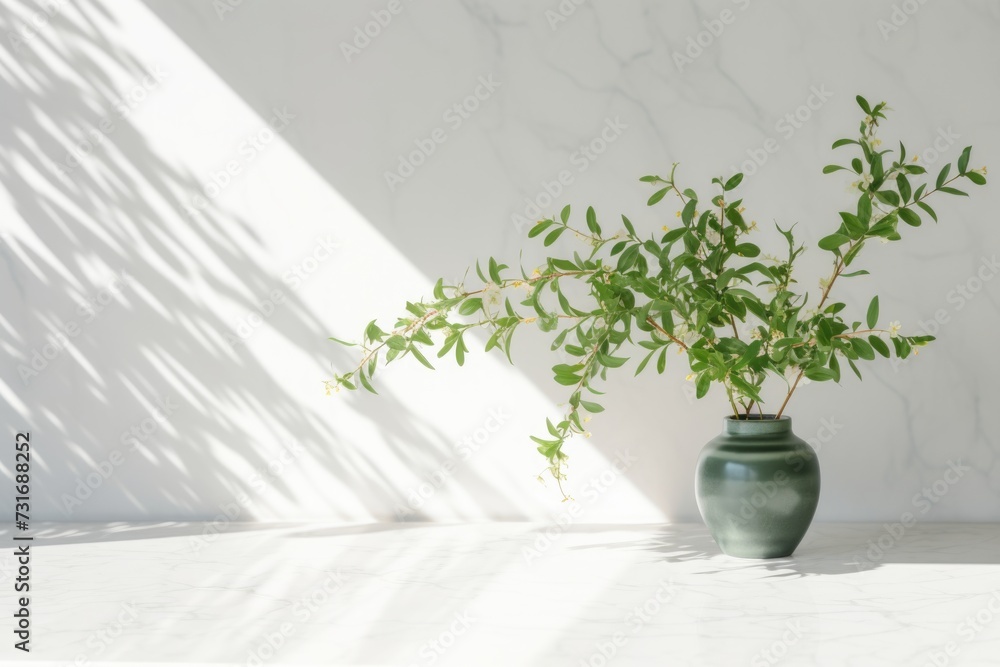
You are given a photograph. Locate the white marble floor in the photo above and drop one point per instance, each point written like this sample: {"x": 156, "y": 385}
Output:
{"x": 506, "y": 594}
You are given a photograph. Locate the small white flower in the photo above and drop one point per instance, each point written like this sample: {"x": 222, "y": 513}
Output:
{"x": 883, "y": 240}
{"x": 755, "y": 334}
{"x": 775, "y": 335}
{"x": 894, "y": 328}
{"x": 492, "y": 295}
{"x": 689, "y": 377}
{"x": 869, "y": 120}
{"x": 824, "y": 283}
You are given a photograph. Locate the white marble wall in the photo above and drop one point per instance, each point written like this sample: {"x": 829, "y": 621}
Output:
{"x": 145, "y": 409}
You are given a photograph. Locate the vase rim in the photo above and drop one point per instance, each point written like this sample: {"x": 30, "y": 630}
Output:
{"x": 767, "y": 417}
{"x": 756, "y": 426}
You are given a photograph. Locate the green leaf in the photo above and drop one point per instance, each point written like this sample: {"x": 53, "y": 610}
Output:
{"x": 628, "y": 225}
{"x": 863, "y": 103}
{"x": 792, "y": 324}
{"x": 835, "y": 367}
{"x": 830, "y": 168}
{"x": 904, "y": 187}
{"x": 855, "y": 228}
{"x": 976, "y": 177}
{"x": 688, "y": 213}
{"x": 745, "y": 388}
{"x": 420, "y": 357}
{"x": 372, "y": 332}
{"x": 628, "y": 258}
{"x": 843, "y": 142}
{"x": 865, "y": 209}
{"x": 611, "y": 362}
{"x": 824, "y": 332}
{"x": 733, "y": 182}
{"x": 564, "y": 214}
{"x": 657, "y": 196}
{"x": 642, "y": 364}
{"x": 857, "y": 165}
{"x": 702, "y": 385}
{"x": 673, "y": 235}
{"x": 592, "y": 221}
{"x": 553, "y": 236}
{"x": 366, "y": 384}
{"x": 342, "y": 342}
{"x": 396, "y": 343}
{"x": 953, "y": 191}
{"x": 820, "y": 374}
{"x": 963, "y": 160}
{"x": 591, "y": 407}
{"x": 872, "y": 317}
{"x": 863, "y": 349}
{"x": 928, "y": 210}
{"x": 862, "y": 272}
{"x": 833, "y": 241}
{"x": 888, "y": 197}
{"x": 661, "y": 362}
{"x": 853, "y": 253}
{"x": 942, "y": 176}
{"x": 747, "y": 250}
{"x": 879, "y": 346}
{"x": 494, "y": 271}
{"x": 539, "y": 227}
{"x": 469, "y": 306}
{"x": 909, "y": 217}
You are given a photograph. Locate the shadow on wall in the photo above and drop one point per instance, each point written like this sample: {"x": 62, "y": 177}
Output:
{"x": 119, "y": 212}
{"x": 442, "y": 221}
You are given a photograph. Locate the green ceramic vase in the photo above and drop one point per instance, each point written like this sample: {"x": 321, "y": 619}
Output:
{"x": 757, "y": 486}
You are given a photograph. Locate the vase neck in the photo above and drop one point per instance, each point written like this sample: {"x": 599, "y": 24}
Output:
{"x": 752, "y": 427}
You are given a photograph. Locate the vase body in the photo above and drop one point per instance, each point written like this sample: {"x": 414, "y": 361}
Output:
{"x": 757, "y": 486}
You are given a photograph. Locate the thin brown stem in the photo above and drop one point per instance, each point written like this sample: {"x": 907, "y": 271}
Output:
{"x": 651, "y": 322}
{"x": 790, "y": 392}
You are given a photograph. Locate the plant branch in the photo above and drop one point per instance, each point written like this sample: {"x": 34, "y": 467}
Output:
{"x": 650, "y": 321}
{"x": 789, "y": 395}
